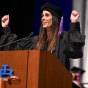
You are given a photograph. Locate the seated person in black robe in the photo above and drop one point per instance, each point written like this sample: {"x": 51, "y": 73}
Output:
{"x": 65, "y": 45}
{"x": 77, "y": 77}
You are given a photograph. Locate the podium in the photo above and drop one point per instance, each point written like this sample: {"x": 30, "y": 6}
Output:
{"x": 36, "y": 69}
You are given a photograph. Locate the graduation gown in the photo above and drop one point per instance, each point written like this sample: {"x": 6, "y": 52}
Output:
{"x": 76, "y": 86}
{"x": 68, "y": 45}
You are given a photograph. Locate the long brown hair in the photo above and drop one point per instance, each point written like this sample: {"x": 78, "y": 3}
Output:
{"x": 53, "y": 36}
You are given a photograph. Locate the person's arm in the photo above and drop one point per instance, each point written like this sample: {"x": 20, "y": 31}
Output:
{"x": 75, "y": 40}
{"x": 78, "y": 38}
{"x": 8, "y": 40}
{"x": 8, "y": 36}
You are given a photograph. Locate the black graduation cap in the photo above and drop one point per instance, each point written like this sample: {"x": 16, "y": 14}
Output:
{"x": 76, "y": 69}
{"x": 54, "y": 10}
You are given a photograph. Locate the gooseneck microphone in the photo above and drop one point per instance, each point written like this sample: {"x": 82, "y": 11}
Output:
{"x": 17, "y": 40}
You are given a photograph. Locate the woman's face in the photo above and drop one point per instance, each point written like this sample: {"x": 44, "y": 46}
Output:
{"x": 46, "y": 19}
{"x": 78, "y": 76}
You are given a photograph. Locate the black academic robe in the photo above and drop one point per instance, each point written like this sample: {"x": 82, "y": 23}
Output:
{"x": 76, "y": 86}
{"x": 68, "y": 45}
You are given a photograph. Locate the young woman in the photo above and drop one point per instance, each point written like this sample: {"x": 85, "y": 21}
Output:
{"x": 67, "y": 45}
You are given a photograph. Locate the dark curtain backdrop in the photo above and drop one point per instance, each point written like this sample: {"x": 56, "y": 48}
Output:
{"x": 21, "y": 16}
{"x": 25, "y": 15}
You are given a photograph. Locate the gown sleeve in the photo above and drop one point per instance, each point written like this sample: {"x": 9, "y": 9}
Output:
{"x": 7, "y": 37}
{"x": 74, "y": 41}
{"x": 9, "y": 41}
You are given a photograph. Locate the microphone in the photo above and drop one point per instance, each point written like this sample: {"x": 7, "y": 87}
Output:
{"x": 17, "y": 40}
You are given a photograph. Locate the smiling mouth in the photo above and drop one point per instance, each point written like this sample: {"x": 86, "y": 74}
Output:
{"x": 44, "y": 23}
